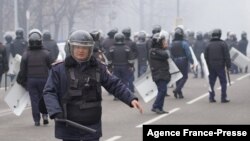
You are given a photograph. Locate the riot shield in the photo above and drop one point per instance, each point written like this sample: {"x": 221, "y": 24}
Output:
{"x": 17, "y": 99}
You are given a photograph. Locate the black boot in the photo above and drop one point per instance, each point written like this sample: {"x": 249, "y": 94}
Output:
{"x": 45, "y": 120}
{"x": 175, "y": 94}
{"x": 180, "y": 95}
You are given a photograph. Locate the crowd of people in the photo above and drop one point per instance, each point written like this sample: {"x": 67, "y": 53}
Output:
{"x": 71, "y": 89}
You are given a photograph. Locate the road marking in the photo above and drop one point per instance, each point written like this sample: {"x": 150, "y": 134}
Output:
{"x": 114, "y": 138}
{"x": 242, "y": 77}
{"x": 6, "y": 112}
{"x": 158, "y": 117}
{"x": 198, "y": 98}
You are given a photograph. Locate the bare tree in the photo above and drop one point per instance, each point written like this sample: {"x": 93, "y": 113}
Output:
{"x": 72, "y": 7}
{"x": 23, "y": 6}
{"x": 1, "y": 21}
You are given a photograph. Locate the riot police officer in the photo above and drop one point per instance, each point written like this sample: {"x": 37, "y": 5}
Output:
{"x": 4, "y": 67}
{"x": 142, "y": 53}
{"x": 73, "y": 90}
{"x": 199, "y": 47}
{"x": 109, "y": 41}
{"x": 51, "y": 45}
{"x": 217, "y": 57}
{"x": 8, "y": 39}
{"x": 35, "y": 64}
{"x": 181, "y": 56}
{"x": 98, "y": 51}
{"x": 19, "y": 45}
{"x": 159, "y": 67}
{"x": 131, "y": 44}
{"x": 243, "y": 47}
{"x": 120, "y": 57}
{"x": 156, "y": 29}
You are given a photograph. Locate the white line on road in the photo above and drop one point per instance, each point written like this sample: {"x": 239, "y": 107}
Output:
{"x": 242, "y": 77}
{"x": 198, "y": 98}
{"x": 158, "y": 117}
{"x": 114, "y": 138}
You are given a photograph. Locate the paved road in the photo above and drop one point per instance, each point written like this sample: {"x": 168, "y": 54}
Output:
{"x": 121, "y": 123}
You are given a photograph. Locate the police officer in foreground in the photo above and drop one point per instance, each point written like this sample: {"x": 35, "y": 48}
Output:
{"x": 159, "y": 66}
{"x": 73, "y": 90}
{"x": 35, "y": 64}
{"x": 217, "y": 57}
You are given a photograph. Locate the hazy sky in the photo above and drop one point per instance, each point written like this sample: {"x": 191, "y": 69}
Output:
{"x": 204, "y": 15}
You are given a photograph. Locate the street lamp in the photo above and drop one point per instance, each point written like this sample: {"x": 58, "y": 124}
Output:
{"x": 16, "y": 14}
{"x": 27, "y": 19}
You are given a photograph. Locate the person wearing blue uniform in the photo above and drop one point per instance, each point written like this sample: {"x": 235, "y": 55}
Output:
{"x": 218, "y": 58}
{"x": 73, "y": 90}
{"x": 181, "y": 55}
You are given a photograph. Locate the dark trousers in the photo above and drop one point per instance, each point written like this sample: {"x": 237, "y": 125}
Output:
{"x": 213, "y": 74}
{"x": 162, "y": 90}
{"x": 142, "y": 68}
{"x": 182, "y": 64}
{"x": 122, "y": 72}
{"x": 35, "y": 87}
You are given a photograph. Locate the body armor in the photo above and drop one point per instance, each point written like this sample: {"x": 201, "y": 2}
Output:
{"x": 83, "y": 98}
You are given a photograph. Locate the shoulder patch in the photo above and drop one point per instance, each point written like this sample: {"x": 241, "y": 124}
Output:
{"x": 57, "y": 62}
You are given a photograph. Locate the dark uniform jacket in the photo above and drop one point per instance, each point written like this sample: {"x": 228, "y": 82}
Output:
{"x": 159, "y": 64}
{"x": 35, "y": 63}
{"x": 3, "y": 60}
{"x": 56, "y": 88}
{"x": 217, "y": 54}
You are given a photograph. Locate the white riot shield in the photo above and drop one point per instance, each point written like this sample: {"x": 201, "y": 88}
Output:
{"x": 17, "y": 62}
{"x": 11, "y": 65}
{"x": 238, "y": 58}
{"x": 17, "y": 99}
{"x": 205, "y": 70}
{"x": 174, "y": 71}
{"x": 196, "y": 63}
{"x": 146, "y": 87}
{"x": 61, "y": 55}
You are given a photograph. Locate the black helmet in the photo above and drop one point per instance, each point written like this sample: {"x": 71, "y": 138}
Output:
{"x": 35, "y": 39}
{"x": 216, "y": 33}
{"x": 19, "y": 33}
{"x": 96, "y": 35}
{"x": 119, "y": 38}
{"x": 8, "y": 38}
{"x": 157, "y": 40}
{"x": 127, "y": 32}
{"x": 112, "y": 32}
{"x": 156, "y": 29}
{"x": 142, "y": 36}
{"x": 243, "y": 35}
{"x": 199, "y": 35}
{"x": 179, "y": 33}
{"x": 81, "y": 38}
{"x": 46, "y": 35}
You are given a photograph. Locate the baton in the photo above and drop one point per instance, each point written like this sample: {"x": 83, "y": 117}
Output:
{"x": 228, "y": 77}
{"x": 76, "y": 125}
{"x": 5, "y": 82}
